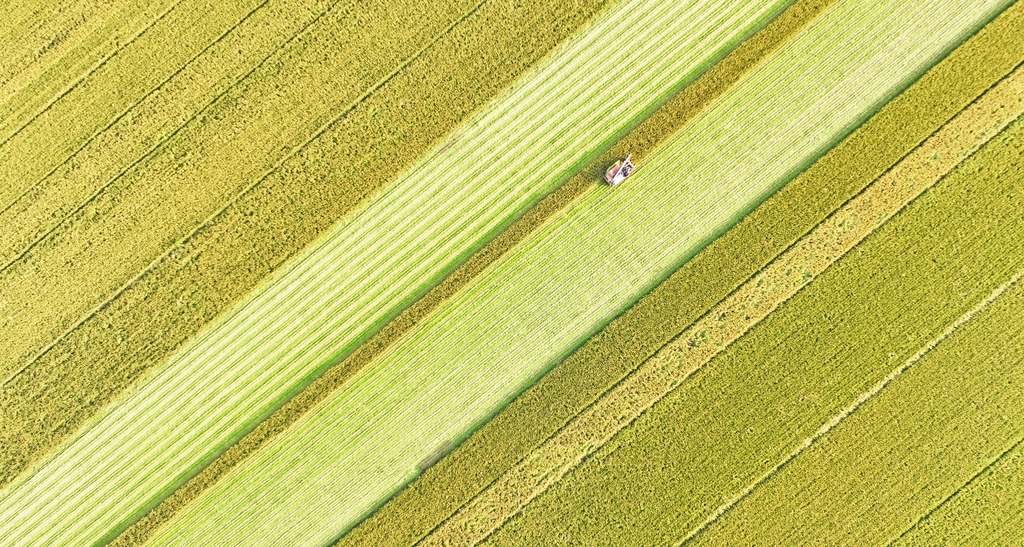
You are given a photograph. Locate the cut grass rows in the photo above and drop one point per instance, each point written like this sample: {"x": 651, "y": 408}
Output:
{"x": 125, "y": 109}
{"x": 185, "y": 441}
{"x": 645, "y": 137}
{"x": 240, "y": 138}
{"x": 942, "y": 419}
{"x": 759, "y": 400}
{"x": 986, "y": 510}
{"x": 75, "y": 39}
{"x": 226, "y": 258}
{"x": 529, "y": 308}
{"x": 899, "y": 127}
{"x": 734, "y": 316}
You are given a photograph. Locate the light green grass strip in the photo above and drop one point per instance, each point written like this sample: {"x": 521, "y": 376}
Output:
{"x": 573, "y": 276}
{"x": 326, "y": 302}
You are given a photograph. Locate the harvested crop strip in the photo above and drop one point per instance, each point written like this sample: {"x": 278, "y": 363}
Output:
{"x": 691, "y": 291}
{"x": 984, "y": 511}
{"x": 226, "y": 258}
{"x": 98, "y": 129}
{"x": 759, "y": 400}
{"x": 528, "y": 309}
{"x": 914, "y": 438}
{"x": 734, "y": 316}
{"x": 70, "y": 42}
{"x": 236, "y": 142}
{"x": 647, "y": 135}
{"x": 250, "y": 362}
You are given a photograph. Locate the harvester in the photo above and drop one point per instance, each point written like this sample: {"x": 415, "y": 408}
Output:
{"x": 619, "y": 171}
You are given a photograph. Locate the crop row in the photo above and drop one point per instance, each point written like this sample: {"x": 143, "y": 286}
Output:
{"x": 984, "y": 511}
{"x": 510, "y": 324}
{"x": 235, "y": 142}
{"x": 131, "y": 105}
{"x": 714, "y": 437}
{"x": 62, "y": 45}
{"x": 235, "y": 373}
{"x": 692, "y": 290}
{"x": 136, "y": 224}
{"x": 665, "y": 121}
{"x": 925, "y": 430}
{"x": 734, "y": 316}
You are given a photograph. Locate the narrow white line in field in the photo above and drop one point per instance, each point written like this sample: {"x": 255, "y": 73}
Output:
{"x": 846, "y": 412}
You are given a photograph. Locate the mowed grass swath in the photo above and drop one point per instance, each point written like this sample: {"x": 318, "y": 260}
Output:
{"x": 236, "y": 142}
{"x": 661, "y": 125}
{"x": 197, "y": 279}
{"x": 241, "y": 385}
{"x": 726, "y": 322}
{"x": 472, "y": 371}
{"x": 707, "y": 278}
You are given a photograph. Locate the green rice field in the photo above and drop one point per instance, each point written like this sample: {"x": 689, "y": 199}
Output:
{"x": 344, "y": 272}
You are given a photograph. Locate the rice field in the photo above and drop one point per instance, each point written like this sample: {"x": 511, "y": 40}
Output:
{"x": 353, "y": 257}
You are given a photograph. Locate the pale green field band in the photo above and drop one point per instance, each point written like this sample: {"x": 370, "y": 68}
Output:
{"x": 237, "y": 371}
{"x": 573, "y": 275}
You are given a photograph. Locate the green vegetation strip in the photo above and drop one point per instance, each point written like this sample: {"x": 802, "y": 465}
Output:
{"x": 683, "y": 461}
{"x": 235, "y": 143}
{"x": 346, "y": 455}
{"x": 123, "y": 109}
{"x": 245, "y": 367}
{"x": 600, "y": 363}
{"x": 64, "y": 46}
{"x": 734, "y": 316}
{"x": 223, "y": 260}
{"x": 984, "y": 511}
{"x": 930, "y": 425}
{"x": 647, "y": 135}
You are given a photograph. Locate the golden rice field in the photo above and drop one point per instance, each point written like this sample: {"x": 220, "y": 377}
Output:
{"x": 345, "y": 272}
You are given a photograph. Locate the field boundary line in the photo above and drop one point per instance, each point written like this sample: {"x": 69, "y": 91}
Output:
{"x": 856, "y": 404}
{"x": 924, "y": 517}
{"x": 749, "y": 53}
{"x": 156, "y": 147}
{"x": 480, "y": 260}
{"x": 89, "y": 72}
{"x": 754, "y": 300}
{"x": 121, "y": 116}
{"x": 210, "y": 220}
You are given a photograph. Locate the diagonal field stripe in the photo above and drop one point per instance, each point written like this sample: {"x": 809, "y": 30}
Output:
{"x": 209, "y": 391}
{"x": 729, "y": 320}
{"x": 852, "y": 407}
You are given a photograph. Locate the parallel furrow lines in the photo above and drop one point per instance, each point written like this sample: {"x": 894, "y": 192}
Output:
{"x": 106, "y": 58}
{"x": 277, "y": 368}
{"x": 666, "y": 120}
{"x": 853, "y": 407}
{"x": 734, "y": 316}
{"x": 113, "y": 122}
{"x": 218, "y": 212}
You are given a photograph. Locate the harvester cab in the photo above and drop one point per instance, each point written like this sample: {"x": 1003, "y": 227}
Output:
{"x": 619, "y": 171}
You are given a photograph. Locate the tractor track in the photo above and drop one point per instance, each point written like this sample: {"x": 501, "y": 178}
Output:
{"x": 501, "y": 440}
{"x": 572, "y": 444}
{"x": 113, "y": 122}
{"x": 646, "y": 135}
{"x": 88, "y": 73}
